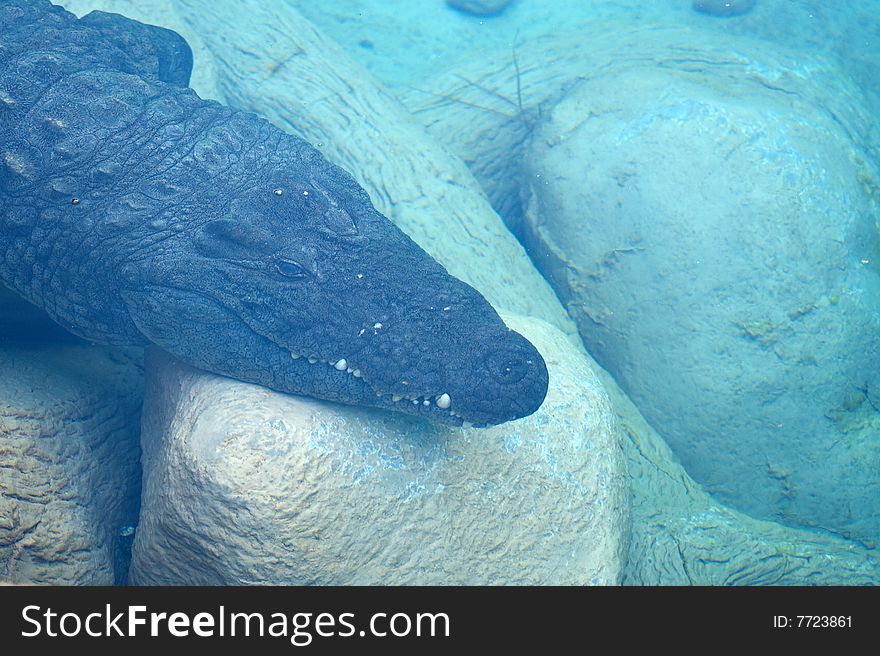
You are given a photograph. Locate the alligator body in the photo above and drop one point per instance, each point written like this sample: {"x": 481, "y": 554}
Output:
{"x": 134, "y": 212}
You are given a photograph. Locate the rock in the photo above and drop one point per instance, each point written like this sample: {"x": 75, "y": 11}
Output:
{"x": 480, "y": 7}
{"x": 679, "y": 534}
{"x": 714, "y": 240}
{"x": 484, "y": 108}
{"x": 682, "y": 536}
{"x": 723, "y": 7}
{"x": 773, "y": 80}
{"x": 243, "y": 485}
{"x": 69, "y": 469}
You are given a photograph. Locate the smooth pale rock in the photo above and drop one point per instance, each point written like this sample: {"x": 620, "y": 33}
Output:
{"x": 490, "y": 133}
{"x": 243, "y": 485}
{"x": 480, "y": 7}
{"x": 69, "y": 468}
{"x": 485, "y": 108}
{"x": 714, "y": 239}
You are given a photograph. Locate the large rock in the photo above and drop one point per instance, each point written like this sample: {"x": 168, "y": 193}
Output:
{"x": 69, "y": 469}
{"x": 799, "y": 241}
{"x": 485, "y": 107}
{"x": 714, "y": 238}
{"x": 243, "y": 485}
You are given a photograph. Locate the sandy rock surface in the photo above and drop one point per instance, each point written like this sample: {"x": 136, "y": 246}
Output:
{"x": 683, "y": 536}
{"x": 69, "y": 469}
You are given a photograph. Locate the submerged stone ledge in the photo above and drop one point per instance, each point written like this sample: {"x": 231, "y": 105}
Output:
{"x": 69, "y": 463}
{"x": 246, "y": 486}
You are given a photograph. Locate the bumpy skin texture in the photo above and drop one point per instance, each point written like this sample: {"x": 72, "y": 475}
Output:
{"x": 135, "y": 212}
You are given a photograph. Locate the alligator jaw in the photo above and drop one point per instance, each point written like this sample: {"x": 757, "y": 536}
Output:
{"x": 438, "y": 406}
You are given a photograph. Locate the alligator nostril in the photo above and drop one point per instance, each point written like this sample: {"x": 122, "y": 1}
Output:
{"x": 506, "y": 368}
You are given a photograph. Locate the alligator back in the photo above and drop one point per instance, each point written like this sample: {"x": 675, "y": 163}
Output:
{"x": 80, "y": 109}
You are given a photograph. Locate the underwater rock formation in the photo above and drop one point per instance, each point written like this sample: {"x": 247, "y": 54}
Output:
{"x": 775, "y": 472}
{"x": 69, "y": 463}
{"x": 242, "y": 485}
{"x": 680, "y": 535}
{"x": 683, "y": 536}
{"x": 714, "y": 240}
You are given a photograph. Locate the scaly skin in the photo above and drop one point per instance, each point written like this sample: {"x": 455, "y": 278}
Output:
{"x": 133, "y": 212}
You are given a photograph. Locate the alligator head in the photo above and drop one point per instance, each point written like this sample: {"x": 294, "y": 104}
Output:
{"x": 300, "y": 285}
{"x": 134, "y": 209}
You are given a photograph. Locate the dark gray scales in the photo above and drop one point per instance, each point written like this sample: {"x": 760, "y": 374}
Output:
{"x": 134, "y": 212}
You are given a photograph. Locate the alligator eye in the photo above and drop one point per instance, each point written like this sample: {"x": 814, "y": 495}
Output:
{"x": 290, "y": 269}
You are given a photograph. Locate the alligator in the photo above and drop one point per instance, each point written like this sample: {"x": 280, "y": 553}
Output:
{"x": 134, "y": 212}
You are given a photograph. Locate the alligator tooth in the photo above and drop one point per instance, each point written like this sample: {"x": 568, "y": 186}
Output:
{"x": 356, "y": 373}
{"x": 349, "y": 370}
{"x": 312, "y": 359}
{"x": 341, "y": 364}
{"x": 443, "y": 401}
{"x": 396, "y": 397}
{"x": 295, "y": 356}
{"x": 415, "y": 401}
